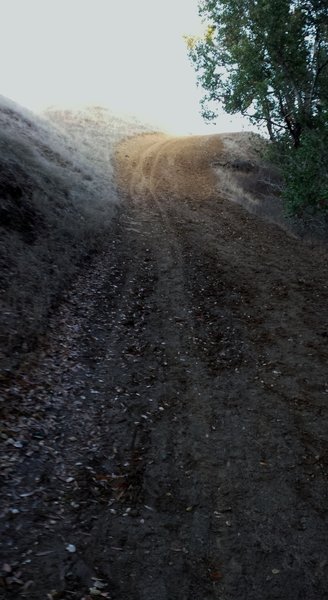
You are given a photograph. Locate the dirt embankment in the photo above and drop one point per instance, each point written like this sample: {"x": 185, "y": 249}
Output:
{"x": 170, "y": 441}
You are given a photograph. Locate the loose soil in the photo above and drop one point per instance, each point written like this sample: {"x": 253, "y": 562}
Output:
{"x": 169, "y": 439}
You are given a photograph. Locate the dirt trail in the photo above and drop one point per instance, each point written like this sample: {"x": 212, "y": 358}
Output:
{"x": 159, "y": 165}
{"x": 173, "y": 429}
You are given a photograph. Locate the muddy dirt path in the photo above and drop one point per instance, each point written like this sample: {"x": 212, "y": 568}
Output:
{"x": 169, "y": 443}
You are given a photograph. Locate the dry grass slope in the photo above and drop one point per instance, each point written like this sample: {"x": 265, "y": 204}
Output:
{"x": 57, "y": 200}
{"x": 245, "y": 177}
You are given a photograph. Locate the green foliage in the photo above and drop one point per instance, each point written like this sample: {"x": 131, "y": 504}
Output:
{"x": 269, "y": 61}
{"x": 305, "y": 172}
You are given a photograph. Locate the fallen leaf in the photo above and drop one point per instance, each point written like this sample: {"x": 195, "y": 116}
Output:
{"x": 100, "y": 585}
{"x": 215, "y": 575}
{"x": 6, "y": 568}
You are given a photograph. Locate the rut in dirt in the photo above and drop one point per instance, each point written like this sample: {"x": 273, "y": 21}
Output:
{"x": 173, "y": 430}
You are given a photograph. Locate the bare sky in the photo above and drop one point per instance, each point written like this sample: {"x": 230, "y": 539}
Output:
{"x": 128, "y": 55}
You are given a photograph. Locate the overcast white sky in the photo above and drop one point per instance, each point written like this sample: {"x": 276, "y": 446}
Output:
{"x": 128, "y": 55}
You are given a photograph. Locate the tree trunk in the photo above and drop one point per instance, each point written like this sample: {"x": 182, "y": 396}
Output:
{"x": 295, "y": 130}
{"x": 270, "y": 130}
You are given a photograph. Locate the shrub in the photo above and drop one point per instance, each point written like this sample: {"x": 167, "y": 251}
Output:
{"x": 305, "y": 172}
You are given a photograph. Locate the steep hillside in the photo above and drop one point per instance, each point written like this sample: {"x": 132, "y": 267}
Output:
{"x": 169, "y": 440}
{"x": 57, "y": 199}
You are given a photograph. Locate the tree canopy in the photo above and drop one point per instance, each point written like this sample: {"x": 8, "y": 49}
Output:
{"x": 267, "y": 60}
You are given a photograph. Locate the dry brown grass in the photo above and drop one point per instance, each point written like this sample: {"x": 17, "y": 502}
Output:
{"x": 247, "y": 178}
{"x": 244, "y": 177}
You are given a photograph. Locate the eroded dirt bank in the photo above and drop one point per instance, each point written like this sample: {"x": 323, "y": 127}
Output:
{"x": 169, "y": 443}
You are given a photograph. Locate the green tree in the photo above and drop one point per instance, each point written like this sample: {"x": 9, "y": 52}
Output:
{"x": 266, "y": 60}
